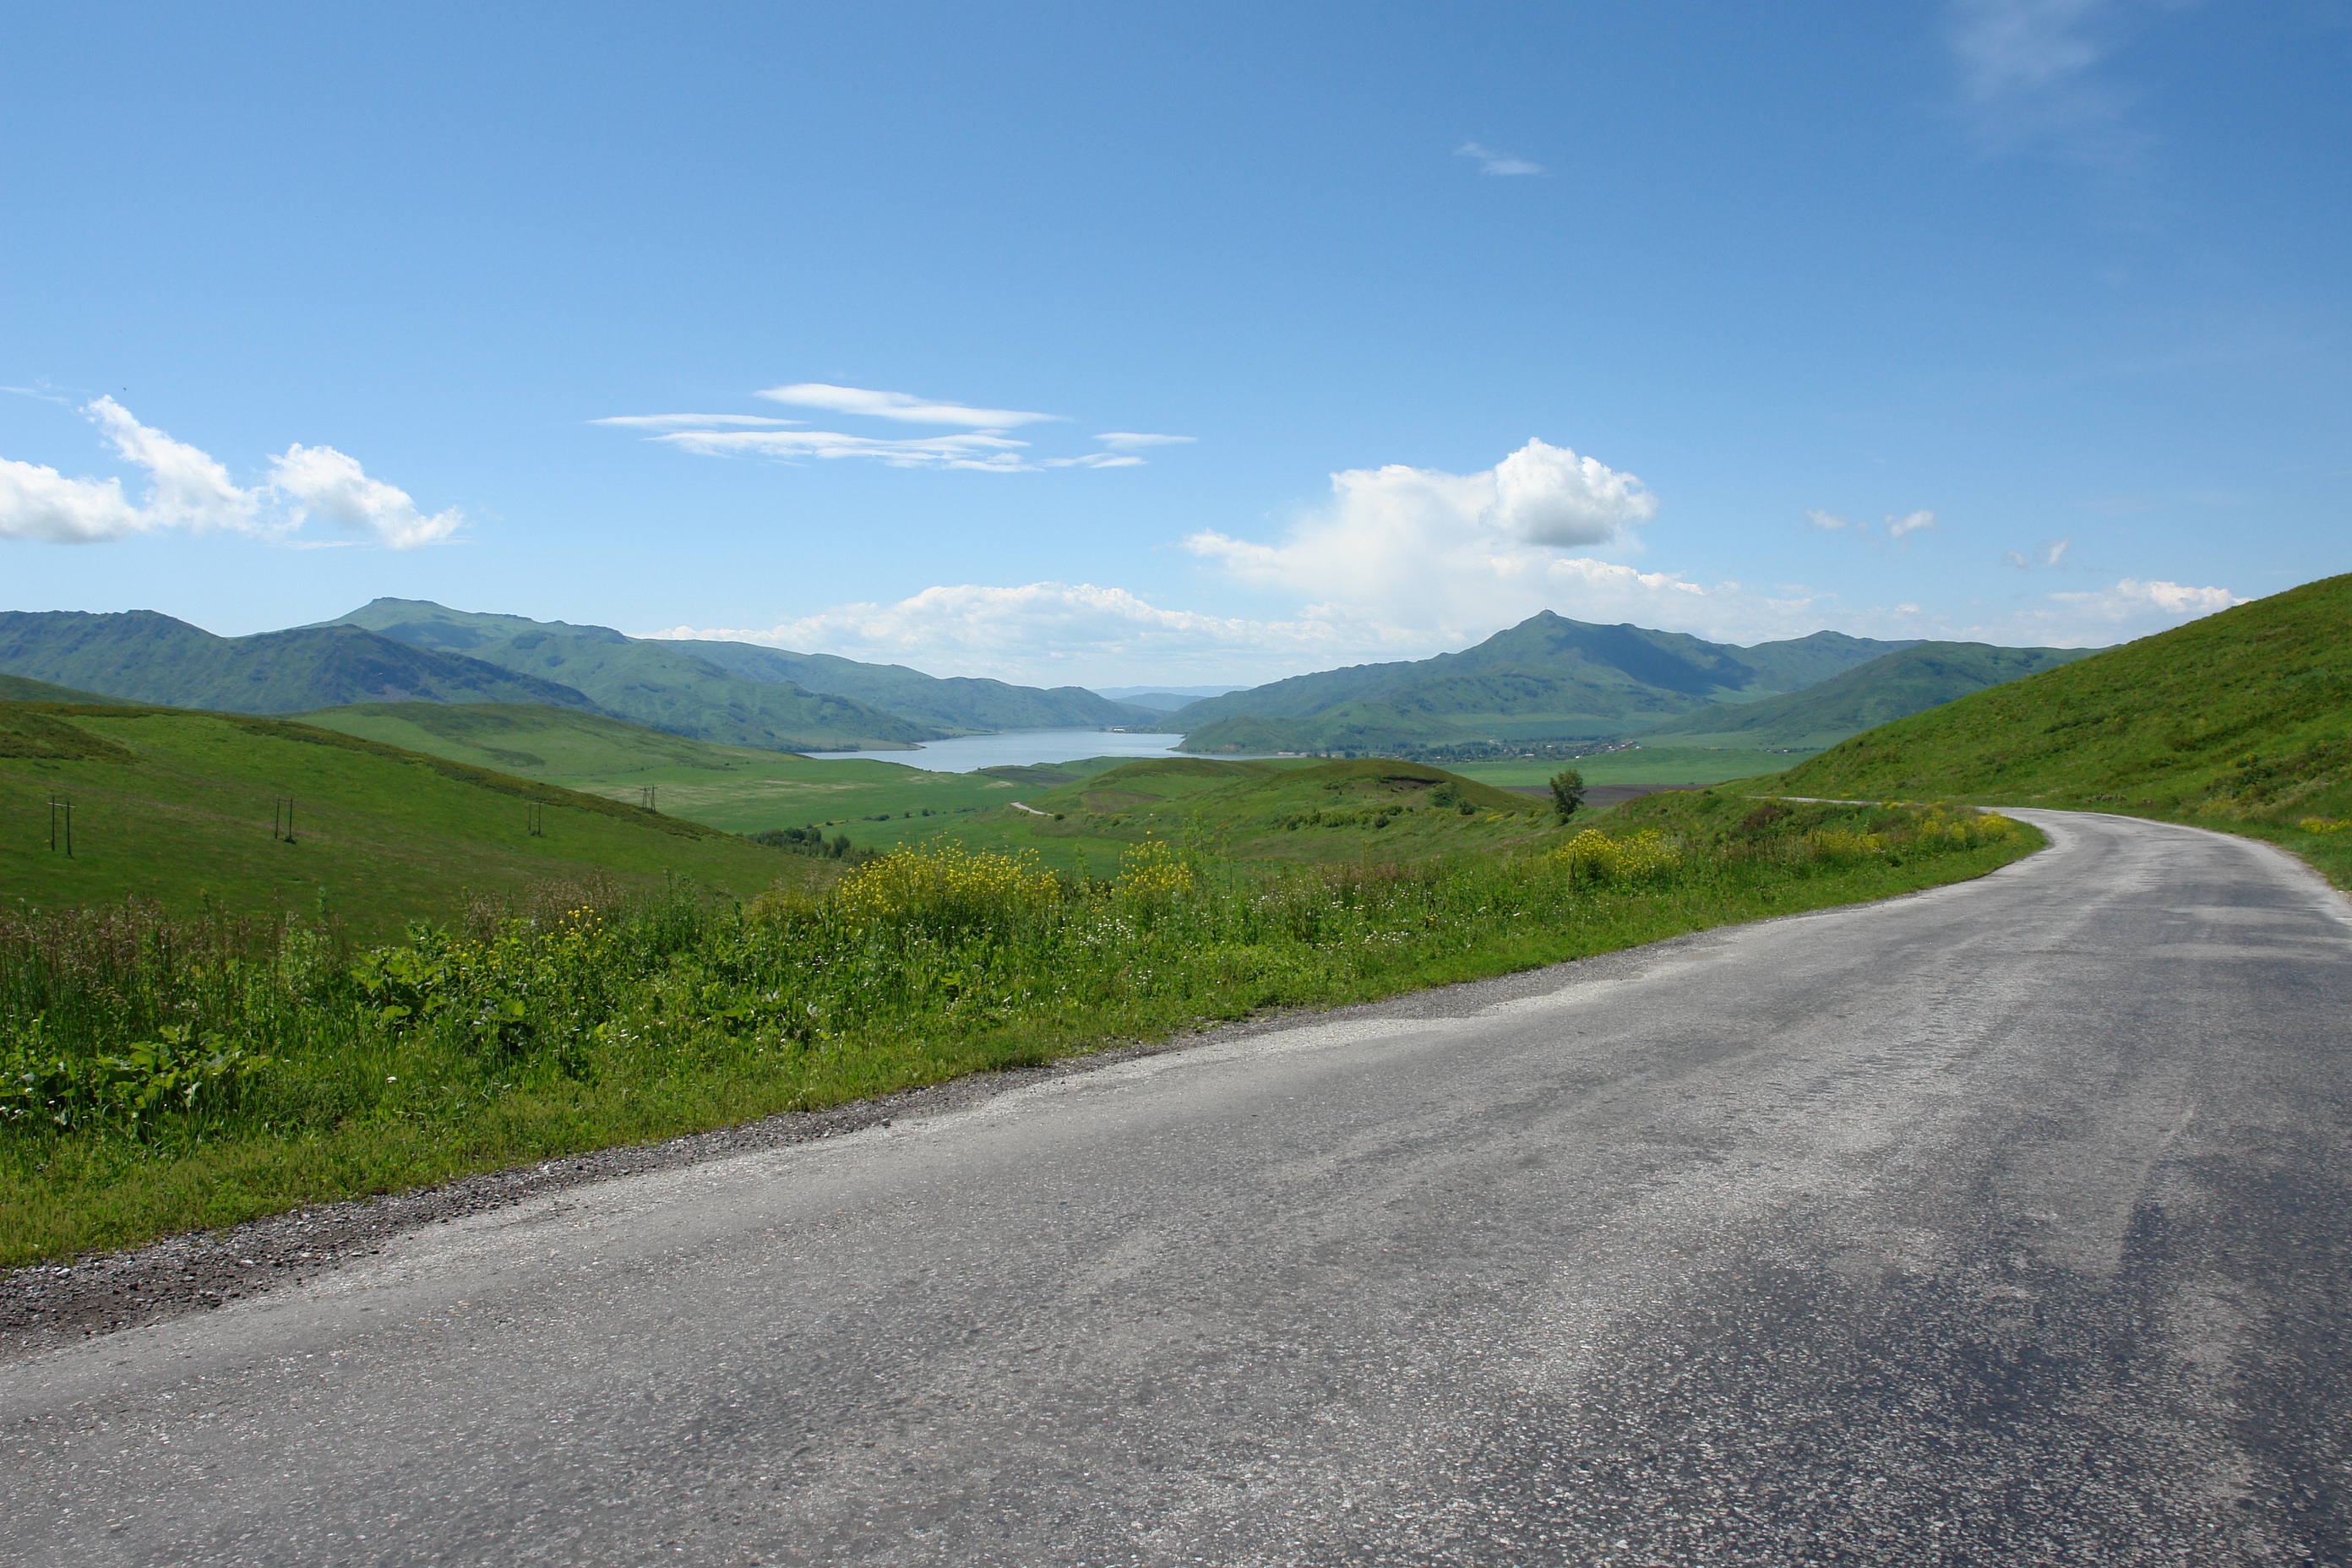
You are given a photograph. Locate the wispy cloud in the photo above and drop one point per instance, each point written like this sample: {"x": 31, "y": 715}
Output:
{"x": 189, "y": 490}
{"x": 1492, "y": 162}
{"x": 1094, "y": 460}
{"x": 1890, "y": 533}
{"x": 693, "y": 421}
{"x": 2050, "y": 553}
{"x": 983, "y": 445}
{"x": 2030, "y": 79}
{"x": 902, "y": 406}
{"x": 976, "y": 449}
{"x": 1128, "y": 440}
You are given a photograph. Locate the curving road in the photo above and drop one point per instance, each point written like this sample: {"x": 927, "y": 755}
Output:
{"x": 2009, "y": 1223}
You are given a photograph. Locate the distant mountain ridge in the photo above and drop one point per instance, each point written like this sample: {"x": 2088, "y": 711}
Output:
{"x": 1547, "y": 678}
{"x": 140, "y": 655}
{"x": 927, "y": 706}
{"x": 1891, "y": 687}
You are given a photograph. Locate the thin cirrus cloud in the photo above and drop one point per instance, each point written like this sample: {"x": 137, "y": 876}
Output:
{"x": 1492, "y": 162}
{"x": 982, "y": 444}
{"x": 902, "y": 406}
{"x": 189, "y": 490}
{"x": 2032, "y": 79}
{"x": 1128, "y": 440}
{"x": 696, "y": 421}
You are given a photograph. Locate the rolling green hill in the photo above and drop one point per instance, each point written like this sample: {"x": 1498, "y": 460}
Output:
{"x": 142, "y": 656}
{"x": 922, "y": 701}
{"x": 742, "y": 789}
{"x": 1890, "y": 687}
{"x": 663, "y": 687}
{"x": 177, "y": 806}
{"x": 2241, "y": 719}
{"x": 16, "y": 688}
{"x": 1547, "y": 678}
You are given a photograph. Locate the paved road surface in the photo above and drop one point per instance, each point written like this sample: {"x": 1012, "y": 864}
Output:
{"x": 2003, "y": 1224}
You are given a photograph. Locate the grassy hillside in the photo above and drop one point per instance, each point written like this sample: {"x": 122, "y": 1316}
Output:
{"x": 16, "y": 688}
{"x": 664, "y": 688}
{"x": 2242, "y": 720}
{"x": 142, "y": 656}
{"x": 1547, "y": 678}
{"x": 740, "y": 788}
{"x": 177, "y": 805}
{"x": 1891, "y": 687}
{"x": 1299, "y": 811}
{"x": 947, "y": 705}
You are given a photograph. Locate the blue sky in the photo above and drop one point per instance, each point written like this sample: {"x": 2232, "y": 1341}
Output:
{"x": 2022, "y": 320}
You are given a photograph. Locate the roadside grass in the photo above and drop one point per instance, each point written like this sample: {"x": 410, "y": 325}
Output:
{"x": 176, "y": 806}
{"x": 2241, "y": 720}
{"x": 165, "y": 1074}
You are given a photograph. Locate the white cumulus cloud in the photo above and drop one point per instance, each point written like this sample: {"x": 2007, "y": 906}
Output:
{"x": 903, "y": 407}
{"x": 325, "y": 483}
{"x": 1910, "y": 523}
{"x": 188, "y": 488}
{"x": 1445, "y": 552}
{"x": 38, "y": 502}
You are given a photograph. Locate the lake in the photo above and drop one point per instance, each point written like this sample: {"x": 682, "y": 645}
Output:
{"x": 1016, "y": 748}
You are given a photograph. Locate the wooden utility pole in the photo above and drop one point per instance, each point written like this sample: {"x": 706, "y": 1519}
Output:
{"x": 61, "y": 810}
{"x": 281, "y": 819}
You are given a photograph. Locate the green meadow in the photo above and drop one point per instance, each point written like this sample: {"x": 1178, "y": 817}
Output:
{"x": 164, "y": 1073}
{"x": 186, "y": 809}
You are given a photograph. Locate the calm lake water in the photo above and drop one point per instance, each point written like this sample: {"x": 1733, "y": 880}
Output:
{"x": 1016, "y": 748}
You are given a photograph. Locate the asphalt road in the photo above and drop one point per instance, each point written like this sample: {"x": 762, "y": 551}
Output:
{"x": 2005, "y": 1224}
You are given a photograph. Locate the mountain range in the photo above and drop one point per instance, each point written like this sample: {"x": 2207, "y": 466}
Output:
{"x": 1548, "y": 679}
{"x": 601, "y": 661}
